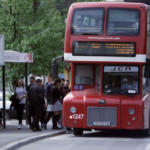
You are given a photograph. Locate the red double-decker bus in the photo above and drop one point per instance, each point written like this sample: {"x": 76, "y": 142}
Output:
{"x": 108, "y": 46}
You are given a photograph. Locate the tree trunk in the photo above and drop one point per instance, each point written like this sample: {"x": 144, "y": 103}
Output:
{"x": 35, "y": 6}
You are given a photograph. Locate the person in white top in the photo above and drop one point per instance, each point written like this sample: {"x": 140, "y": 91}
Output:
{"x": 130, "y": 84}
{"x": 21, "y": 94}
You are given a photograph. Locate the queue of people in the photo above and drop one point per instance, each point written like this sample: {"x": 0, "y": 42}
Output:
{"x": 43, "y": 103}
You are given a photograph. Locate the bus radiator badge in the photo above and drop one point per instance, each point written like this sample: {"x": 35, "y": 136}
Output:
{"x": 102, "y": 102}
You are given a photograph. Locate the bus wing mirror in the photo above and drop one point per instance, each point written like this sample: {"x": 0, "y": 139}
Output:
{"x": 54, "y": 70}
{"x": 147, "y": 71}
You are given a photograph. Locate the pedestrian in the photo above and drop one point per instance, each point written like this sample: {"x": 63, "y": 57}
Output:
{"x": 20, "y": 90}
{"x": 62, "y": 81}
{"x": 48, "y": 87}
{"x": 54, "y": 107}
{"x": 50, "y": 79}
{"x": 43, "y": 115}
{"x": 32, "y": 81}
{"x": 67, "y": 84}
{"x": 36, "y": 100}
{"x": 43, "y": 110}
{"x": 47, "y": 95}
{"x": 64, "y": 89}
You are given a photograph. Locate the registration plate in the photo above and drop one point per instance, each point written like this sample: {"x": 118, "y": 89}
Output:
{"x": 106, "y": 123}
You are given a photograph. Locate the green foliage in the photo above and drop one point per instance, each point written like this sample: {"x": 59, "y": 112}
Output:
{"x": 32, "y": 26}
{"x": 90, "y": 0}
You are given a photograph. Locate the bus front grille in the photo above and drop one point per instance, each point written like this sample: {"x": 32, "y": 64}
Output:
{"x": 102, "y": 116}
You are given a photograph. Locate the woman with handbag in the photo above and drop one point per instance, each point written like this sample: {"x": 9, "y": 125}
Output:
{"x": 21, "y": 94}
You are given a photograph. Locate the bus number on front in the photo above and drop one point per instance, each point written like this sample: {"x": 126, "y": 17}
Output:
{"x": 78, "y": 116}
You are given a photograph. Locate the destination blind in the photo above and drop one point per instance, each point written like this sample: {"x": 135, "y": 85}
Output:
{"x": 104, "y": 49}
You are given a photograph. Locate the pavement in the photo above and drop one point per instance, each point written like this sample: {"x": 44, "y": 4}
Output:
{"x": 12, "y": 138}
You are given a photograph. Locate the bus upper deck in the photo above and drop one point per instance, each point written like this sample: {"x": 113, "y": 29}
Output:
{"x": 102, "y": 29}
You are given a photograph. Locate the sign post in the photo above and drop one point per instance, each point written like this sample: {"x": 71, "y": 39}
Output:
{"x": 1, "y": 50}
{"x": 4, "y": 120}
{"x": 3, "y": 74}
{"x": 26, "y": 83}
{"x": 17, "y": 57}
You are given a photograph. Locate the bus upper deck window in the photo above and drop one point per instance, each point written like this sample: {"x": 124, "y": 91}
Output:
{"x": 88, "y": 21}
{"x": 123, "y": 22}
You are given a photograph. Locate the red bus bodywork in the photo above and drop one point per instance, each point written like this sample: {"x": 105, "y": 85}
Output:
{"x": 89, "y": 96}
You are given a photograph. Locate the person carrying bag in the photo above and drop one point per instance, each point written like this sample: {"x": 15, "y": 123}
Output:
{"x": 14, "y": 101}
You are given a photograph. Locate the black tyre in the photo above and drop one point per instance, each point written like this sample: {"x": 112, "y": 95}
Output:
{"x": 144, "y": 133}
{"x": 77, "y": 131}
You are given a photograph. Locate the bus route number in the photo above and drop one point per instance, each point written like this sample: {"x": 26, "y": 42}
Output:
{"x": 78, "y": 116}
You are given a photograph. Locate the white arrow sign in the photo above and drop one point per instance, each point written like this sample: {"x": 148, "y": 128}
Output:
{"x": 1, "y": 50}
{"x": 17, "y": 57}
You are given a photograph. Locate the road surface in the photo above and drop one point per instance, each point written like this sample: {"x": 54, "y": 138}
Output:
{"x": 95, "y": 140}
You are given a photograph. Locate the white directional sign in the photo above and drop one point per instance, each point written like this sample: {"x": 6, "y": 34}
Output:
{"x": 17, "y": 57}
{"x": 1, "y": 50}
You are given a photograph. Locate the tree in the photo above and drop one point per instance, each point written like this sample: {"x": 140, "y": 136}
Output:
{"x": 90, "y": 0}
{"x": 63, "y": 5}
{"x": 35, "y": 26}
{"x": 32, "y": 26}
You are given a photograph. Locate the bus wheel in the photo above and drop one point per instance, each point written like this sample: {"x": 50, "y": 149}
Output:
{"x": 77, "y": 131}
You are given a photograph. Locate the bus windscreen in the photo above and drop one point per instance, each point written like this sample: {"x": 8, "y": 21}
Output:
{"x": 88, "y": 21}
{"x": 120, "y": 80}
{"x": 104, "y": 49}
{"x": 125, "y": 22}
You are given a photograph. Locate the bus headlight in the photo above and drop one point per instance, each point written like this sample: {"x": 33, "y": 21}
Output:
{"x": 72, "y": 109}
{"x": 131, "y": 111}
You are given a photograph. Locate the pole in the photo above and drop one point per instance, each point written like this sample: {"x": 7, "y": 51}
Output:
{"x": 26, "y": 83}
{"x": 4, "y": 121}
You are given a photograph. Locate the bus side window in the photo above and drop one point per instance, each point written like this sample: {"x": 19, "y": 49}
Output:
{"x": 145, "y": 83}
{"x": 84, "y": 74}
{"x": 148, "y": 23}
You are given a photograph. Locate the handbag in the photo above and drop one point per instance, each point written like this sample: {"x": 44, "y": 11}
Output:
{"x": 14, "y": 100}
{"x": 13, "y": 96}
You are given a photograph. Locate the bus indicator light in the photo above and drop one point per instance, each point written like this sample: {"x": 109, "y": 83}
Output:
{"x": 76, "y": 87}
{"x": 70, "y": 117}
{"x": 80, "y": 87}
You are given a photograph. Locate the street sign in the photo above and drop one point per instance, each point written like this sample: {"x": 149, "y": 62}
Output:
{"x": 1, "y": 50}
{"x": 17, "y": 57}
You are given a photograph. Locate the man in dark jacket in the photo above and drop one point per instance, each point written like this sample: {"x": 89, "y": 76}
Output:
{"x": 36, "y": 99}
{"x": 32, "y": 81}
